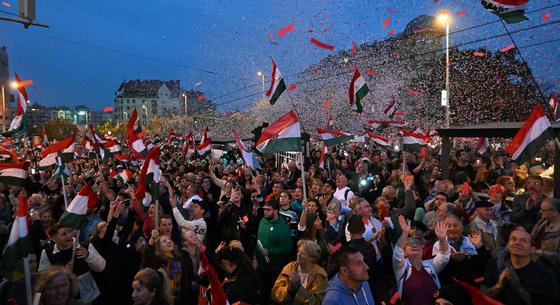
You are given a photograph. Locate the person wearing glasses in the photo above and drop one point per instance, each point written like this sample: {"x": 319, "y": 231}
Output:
{"x": 546, "y": 234}
{"x": 526, "y": 206}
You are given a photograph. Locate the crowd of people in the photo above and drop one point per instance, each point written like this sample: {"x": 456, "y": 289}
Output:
{"x": 364, "y": 229}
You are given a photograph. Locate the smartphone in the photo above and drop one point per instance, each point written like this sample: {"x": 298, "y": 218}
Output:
{"x": 33, "y": 171}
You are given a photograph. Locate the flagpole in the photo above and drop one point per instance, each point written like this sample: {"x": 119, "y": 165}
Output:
{"x": 157, "y": 215}
{"x": 63, "y": 187}
{"x": 27, "y": 274}
{"x": 303, "y": 176}
{"x": 544, "y": 103}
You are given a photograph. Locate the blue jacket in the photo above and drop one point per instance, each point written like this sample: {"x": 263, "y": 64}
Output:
{"x": 339, "y": 294}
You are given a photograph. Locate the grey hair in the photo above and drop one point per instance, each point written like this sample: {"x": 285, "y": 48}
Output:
{"x": 311, "y": 247}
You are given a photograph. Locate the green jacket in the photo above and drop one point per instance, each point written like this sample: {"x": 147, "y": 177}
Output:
{"x": 275, "y": 237}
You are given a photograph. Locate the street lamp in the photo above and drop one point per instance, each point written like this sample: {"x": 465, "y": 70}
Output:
{"x": 185, "y": 102}
{"x": 445, "y": 19}
{"x": 259, "y": 73}
{"x": 145, "y": 111}
{"x": 125, "y": 117}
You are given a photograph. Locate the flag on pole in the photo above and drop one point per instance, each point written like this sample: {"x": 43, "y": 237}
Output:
{"x": 324, "y": 152}
{"x": 150, "y": 173}
{"x": 357, "y": 91}
{"x": 377, "y": 139}
{"x": 68, "y": 153}
{"x": 282, "y": 135}
{"x": 50, "y": 153}
{"x": 413, "y": 142}
{"x": 391, "y": 108}
{"x": 75, "y": 214}
{"x": 14, "y": 173}
{"x": 277, "y": 84}
{"x": 511, "y": 11}
{"x": 19, "y": 243}
{"x": 334, "y": 137}
{"x": 97, "y": 140}
{"x": 248, "y": 156}
{"x": 205, "y": 145}
{"x": 188, "y": 146}
{"x": 531, "y": 136}
{"x": 18, "y": 125}
{"x": 482, "y": 145}
{"x": 135, "y": 142}
{"x": 87, "y": 143}
{"x": 60, "y": 170}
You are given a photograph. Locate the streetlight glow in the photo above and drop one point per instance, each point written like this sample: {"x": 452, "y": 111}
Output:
{"x": 259, "y": 73}
{"x": 443, "y": 18}
{"x": 14, "y": 84}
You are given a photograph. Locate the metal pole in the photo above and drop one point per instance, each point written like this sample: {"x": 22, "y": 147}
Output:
{"x": 303, "y": 176}
{"x": 447, "y": 73}
{"x": 27, "y": 274}
{"x": 3, "y": 110}
{"x": 262, "y": 76}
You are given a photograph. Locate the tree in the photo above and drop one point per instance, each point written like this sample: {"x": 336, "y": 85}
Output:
{"x": 59, "y": 128}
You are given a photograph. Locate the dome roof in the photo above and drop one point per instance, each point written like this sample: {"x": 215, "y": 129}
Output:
{"x": 422, "y": 22}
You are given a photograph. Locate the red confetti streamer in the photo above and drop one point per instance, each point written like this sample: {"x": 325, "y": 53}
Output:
{"x": 327, "y": 103}
{"x": 461, "y": 13}
{"x": 198, "y": 83}
{"x": 444, "y": 12}
{"x": 546, "y": 16}
{"x": 354, "y": 48}
{"x": 326, "y": 30}
{"x": 386, "y": 23}
{"x": 392, "y": 11}
{"x": 395, "y": 296}
{"x": 398, "y": 113}
{"x": 336, "y": 247}
{"x": 292, "y": 87}
{"x": 479, "y": 279}
{"x": 25, "y": 83}
{"x": 419, "y": 30}
{"x": 507, "y": 48}
{"x": 392, "y": 32}
{"x": 321, "y": 44}
{"x": 479, "y": 54}
{"x": 370, "y": 71}
{"x": 270, "y": 36}
{"x": 201, "y": 97}
{"x": 6, "y": 4}
{"x": 414, "y": 92}
{"x": 287, "y": 29}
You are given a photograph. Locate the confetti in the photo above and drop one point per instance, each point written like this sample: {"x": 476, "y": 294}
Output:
{"x": 461, "y": 13}
{"x": 422, "y": 152}
{"x": 285, "y": 30}
{"x": 444, "y": 12}
{"x": 479, "y": 279}
{"x": 25, "y": 83}
{"x": 419, "y": 30}
{"x": 270, "y": 36}
{"x": 354, "y": 48}
{"x": 386, "y": 23}
{"x": 370, "y": 71}
{"x": 201, "y": 97}
{"x": 395, "y": 296}
{"x": 327, "y": 103}
{"x": 310, "y": 31}
{"x": 546, "y": 16}
{"x": 392, "y": 32}
{"x": 479, "y": 54}
{"x": 507, "y": 48}
{"x": 6, "y": 4}
{"x": 414, "y": 92}
{"x": 336, "y": 247}
{"x": 198, "y": 83}
{"x": 326, "y": 30}
{"x": 292, "y": 87}
{"x": 398, "y": 113}
{"x": 392, "y": 11}
{"x": 321, "y": 44}
{"x": 245, "y": 218}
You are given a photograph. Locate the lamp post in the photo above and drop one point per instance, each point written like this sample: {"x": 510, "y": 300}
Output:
{"x": 145, "y": 111}
{"x": 259, "y": 73}
{"x": 125, "y": 117}
{"x": 445, "y": 19}
{"x": 3, "y": 110}
{"x": 185, "y": 102}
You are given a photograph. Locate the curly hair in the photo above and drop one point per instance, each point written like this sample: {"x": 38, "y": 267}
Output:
{"x": 47, "y": 276}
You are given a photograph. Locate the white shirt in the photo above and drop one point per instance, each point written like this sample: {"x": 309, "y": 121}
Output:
{"x": 187, "y": 205}
{"x": 197, "y": 225}
{"x": 339, "y": 194}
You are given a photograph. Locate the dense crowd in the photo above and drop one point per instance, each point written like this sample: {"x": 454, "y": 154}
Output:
{"x": 365, "y": 229}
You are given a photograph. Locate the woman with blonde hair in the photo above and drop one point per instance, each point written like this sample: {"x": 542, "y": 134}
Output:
{"x": 58, "y": 286}
{"x": 151, "y": 287}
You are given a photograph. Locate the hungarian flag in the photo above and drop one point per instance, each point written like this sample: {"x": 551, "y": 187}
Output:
{"x": 334, "y": 137}
{"x": 50, "y": 154}
{"x": 14, "y": 173}
{"x": 188, "y": 146}
{"x": 125, "y": 175}
{"x": 553, "y": 105}
{"x": 357, "y": 91}
{"x": 19, "y": 243}
{"x": 18, "y": 126}
{"x": 97, "y": 140}
{"x": 134, "y": 133}
{"x": 107, "y": 149}
{"x": 205, "y": 145}
{"x": 477, "y": 296}
{"x": 277, "y": 84}
{"x": 123, "y": 158}
{"x": 391, "y": 108}
{"x": 482, "y": 145}
{"x": 371, "y": 127}
{"x": 531, "y": 136}
{"x": 413, "y": 142}
{"x": 511, "y": 11}
{"x": 45, "y": 138}
{"x": 150, "y": 173}
{"x": 68, "y": 153}
{"x": 377, "y": 139}
{"x": 60, "y": 170}
{"x": 282, "y": 135}
{"x": 324, "y": 152}
{"x": 75, "y": 214}
{"x": 248, "y": 156}
{"x": 87, "y": 142}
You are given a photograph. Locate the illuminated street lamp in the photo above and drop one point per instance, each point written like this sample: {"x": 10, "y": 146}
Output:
{"x": 445, "y": 20}
{"x": 145, "y": 111}
{"x": 259, "y": 73}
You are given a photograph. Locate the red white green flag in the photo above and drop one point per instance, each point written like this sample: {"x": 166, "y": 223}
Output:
{"x": 413, "y": 142}
{"x": 511, "y": 11}
{"x": 334, "y": 137}
{"x": 277, "y": 84}
{"x": 378, "y": 139}
{"x": 205, "y": 146}
{"x": 150, "y": 173}
{"x": 50, "y": 153}
{"x": 357, "y": 91}
{"x": 324, "y": 152}
{"x": 14, "y": 173}
{"x": 19, "y": 243}
{"x": 282, "y": 135}
{"x": 75, "y": 214}
{"x": 531, "y": 136}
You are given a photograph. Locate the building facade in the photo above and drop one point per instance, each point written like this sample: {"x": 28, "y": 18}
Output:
{"x": 150, "y": 98}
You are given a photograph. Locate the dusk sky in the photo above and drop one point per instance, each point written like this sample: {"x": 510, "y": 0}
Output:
{"x": 92, "y": 46}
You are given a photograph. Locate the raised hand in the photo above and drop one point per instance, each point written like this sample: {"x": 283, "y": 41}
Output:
{"x": 441, "y": 230}
{"x": 475, "y": 236}
{"x": 404, "y": 224}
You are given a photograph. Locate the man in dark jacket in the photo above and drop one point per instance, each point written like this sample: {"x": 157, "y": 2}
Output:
{"x": 356, "y": 228}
